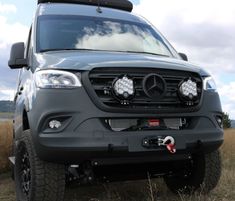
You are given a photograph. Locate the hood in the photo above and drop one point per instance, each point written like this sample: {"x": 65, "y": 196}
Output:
{"x": 87, "y": 60}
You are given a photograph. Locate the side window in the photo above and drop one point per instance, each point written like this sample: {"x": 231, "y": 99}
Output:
{"x": 28, "y": 44}
{"x": 19, "y": 78}
{"x": 18, "y": 83}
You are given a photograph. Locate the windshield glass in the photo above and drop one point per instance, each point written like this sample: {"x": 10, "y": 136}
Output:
{"x": 103, "y": 34}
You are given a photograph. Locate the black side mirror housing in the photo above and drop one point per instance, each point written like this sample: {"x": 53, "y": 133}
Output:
{"x": 17, "y": 59}
{"x": 183, "y": 56}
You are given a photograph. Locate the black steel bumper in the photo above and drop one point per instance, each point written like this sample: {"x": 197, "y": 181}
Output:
{"x": 84, "y": 136}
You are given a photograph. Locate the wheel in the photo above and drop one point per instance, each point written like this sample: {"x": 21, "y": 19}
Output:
{"x": 36, "y": 180}
{"x": 203, "y": 175}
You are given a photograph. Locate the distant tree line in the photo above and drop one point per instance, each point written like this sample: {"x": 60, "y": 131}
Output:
{"x": 226, "y": 120}
{"x": 7, "y": 106}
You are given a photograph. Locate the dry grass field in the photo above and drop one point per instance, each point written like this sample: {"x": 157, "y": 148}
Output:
{"x": 129, "y": 191}
{"x": 5, "y": 144}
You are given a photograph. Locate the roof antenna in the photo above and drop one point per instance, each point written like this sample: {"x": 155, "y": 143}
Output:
{"x": 99, "y": 8}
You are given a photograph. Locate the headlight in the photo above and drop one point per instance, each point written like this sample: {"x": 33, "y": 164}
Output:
{"x": 209, "y": 84}
{"x": 56, "y": 79}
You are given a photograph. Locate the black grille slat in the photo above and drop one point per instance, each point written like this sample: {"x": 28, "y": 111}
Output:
{"x": 155, "y": 103}
{"x": 102, "y": 80}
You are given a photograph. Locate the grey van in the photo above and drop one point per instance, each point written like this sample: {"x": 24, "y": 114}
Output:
{"x": 102, "y": 95}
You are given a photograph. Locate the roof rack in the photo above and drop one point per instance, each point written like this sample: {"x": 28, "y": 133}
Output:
{"x": 116, "y": 4}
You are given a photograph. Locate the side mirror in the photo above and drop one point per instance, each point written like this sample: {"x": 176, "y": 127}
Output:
{"x": 183, "y": 56}
{"x": 17, "y": 59}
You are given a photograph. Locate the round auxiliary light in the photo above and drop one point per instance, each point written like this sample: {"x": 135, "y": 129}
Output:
{"x": 188, "y": 89}
{"x": 55, "y": 124}
{"x": 124, "y": 87}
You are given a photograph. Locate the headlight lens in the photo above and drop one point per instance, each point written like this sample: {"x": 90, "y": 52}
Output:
{"x": 209, "y": 84}
{"x": 56, "y": 79}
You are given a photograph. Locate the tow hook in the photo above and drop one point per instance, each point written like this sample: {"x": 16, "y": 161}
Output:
{"x": 155, "y": 142}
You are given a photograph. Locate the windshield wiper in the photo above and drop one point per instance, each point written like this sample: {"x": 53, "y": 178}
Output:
{"x": 163, "y": 55}
{"x": 64, "y": 49}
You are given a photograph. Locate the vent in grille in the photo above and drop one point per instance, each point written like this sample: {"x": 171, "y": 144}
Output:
{"x": 101, "y": 80}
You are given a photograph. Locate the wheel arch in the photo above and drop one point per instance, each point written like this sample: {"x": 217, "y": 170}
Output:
{"x": 25, "y": 121}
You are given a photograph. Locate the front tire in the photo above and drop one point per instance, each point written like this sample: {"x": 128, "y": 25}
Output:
{"x": 36, "y": 180}
{"x": 203, "y": 177}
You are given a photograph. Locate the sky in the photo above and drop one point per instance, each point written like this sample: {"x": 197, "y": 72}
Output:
{"x": 203, "y": 29}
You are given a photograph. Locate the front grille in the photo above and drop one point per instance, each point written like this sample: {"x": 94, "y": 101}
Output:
{"x": 101, "y": 80}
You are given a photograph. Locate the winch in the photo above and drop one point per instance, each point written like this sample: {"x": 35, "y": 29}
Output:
{"x": 156, "y": 142}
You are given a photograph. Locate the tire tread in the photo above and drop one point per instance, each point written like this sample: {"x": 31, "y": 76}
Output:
{"x": 48, "y": 179}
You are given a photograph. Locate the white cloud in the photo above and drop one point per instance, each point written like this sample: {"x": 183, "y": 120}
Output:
{"x": 227, "y": 93}
{"x": 205, "y": 31}
{"x": 11, "y": 33}
{"x": 7, "y": 8}
{"x": 6, "y": 93}
{"x": 191, "y": 11}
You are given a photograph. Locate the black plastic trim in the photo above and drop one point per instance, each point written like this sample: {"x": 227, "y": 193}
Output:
{"x": 116, "y": 4}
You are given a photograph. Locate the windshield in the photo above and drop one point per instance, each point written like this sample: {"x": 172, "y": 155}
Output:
{"x": 102, "y": 34}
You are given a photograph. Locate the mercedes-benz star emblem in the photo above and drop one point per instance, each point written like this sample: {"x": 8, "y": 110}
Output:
{"x": 154, "y": 86}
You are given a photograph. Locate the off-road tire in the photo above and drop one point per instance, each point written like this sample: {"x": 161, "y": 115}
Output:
{"x": 203, "y": 177}
{"x": 47, "y": 180}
